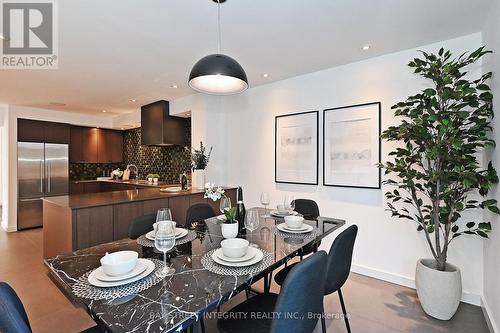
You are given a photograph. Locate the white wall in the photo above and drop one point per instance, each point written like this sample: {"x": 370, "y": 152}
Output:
{"x": 491, "y": 301}
{"x": 9, "y": 151}
{"x": 244, "y": 124}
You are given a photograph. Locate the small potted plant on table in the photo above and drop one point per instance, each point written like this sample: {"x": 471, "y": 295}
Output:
{"x": 229, "y": 226}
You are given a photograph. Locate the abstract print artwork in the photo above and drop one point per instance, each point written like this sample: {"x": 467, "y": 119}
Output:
{"x": 296, "y": 148}
{"x": 351, "y": 146}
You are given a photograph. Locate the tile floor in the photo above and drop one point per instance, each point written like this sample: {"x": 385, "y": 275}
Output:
{"x": 374, "y": 306}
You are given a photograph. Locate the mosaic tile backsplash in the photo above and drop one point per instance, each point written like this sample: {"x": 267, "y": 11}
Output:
{"x": 168, "y": 161}
{"x": 90, "y": 171}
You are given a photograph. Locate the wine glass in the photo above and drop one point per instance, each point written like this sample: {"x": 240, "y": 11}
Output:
{"x": 251, "y": 223}
{"x": 289, "y": 203}
{"x": 164, "y": 242}
{"x": 164, "y": 214}
{"x": 265, "y": 201}
{"x": 225, "y": 204}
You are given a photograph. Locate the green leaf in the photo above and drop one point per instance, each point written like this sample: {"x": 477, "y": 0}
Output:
{"x": 494, "y": 209}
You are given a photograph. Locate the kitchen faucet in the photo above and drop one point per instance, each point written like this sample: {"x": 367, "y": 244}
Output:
{"x": 136, "y": 170}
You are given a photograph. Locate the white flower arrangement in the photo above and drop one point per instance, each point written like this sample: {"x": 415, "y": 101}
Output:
{"x": 213, "y": 192}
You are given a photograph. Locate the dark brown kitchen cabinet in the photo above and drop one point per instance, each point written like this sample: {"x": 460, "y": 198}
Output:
{"x": 29, "y": 130}
{"x": 96, "y": 145}
{"x": 123, "y": 215}
{"x": 93, "y": 226}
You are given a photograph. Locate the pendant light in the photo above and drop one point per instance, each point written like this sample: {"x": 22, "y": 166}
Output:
{"x": 218, "y": 74}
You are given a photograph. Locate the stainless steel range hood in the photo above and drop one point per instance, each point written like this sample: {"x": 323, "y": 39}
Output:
{"x": 159, "y": 128}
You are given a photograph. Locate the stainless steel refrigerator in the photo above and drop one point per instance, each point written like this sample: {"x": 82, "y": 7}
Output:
{"x": 42, "y": 171}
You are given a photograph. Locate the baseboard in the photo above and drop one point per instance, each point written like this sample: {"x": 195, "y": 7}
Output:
{"x": 488, "y": 316}
{"x": 9, "y": 229}
{"x": 409, "y": 282}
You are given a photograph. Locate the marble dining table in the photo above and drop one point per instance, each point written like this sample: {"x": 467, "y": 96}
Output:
{"x": 179, "y": 300}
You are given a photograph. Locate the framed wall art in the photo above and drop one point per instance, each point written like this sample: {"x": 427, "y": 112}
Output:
{"x": 296, "y": 148}
{"x": 351, "y": 146}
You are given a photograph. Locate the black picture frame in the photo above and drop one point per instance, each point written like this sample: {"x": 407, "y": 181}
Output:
{"x": 276, "y": 119}
{"x": 379, "y": 132}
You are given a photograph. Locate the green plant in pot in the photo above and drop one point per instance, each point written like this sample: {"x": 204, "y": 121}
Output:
{"x": 436, "y": 172}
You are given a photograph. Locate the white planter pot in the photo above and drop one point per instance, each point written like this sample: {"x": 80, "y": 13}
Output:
{"x": 439, "y": 292}
{"x": 198, "y": 179}
{"x": 229, "y": 230}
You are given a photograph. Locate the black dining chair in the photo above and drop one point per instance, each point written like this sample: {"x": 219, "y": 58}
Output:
{"x": 13, "y": 317}
{"x": 310, "y": 210}
{"x": 141, "y": 225}
{"x": 198, "y": 212}
{"x": 296, "y": 309}
{"x": 339, "y": 267}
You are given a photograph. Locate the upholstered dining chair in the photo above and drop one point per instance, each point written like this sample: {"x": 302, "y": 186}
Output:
{"x": 198, "y": 212}
{"x": 296, "y": 309}
{"x": 141, "y": 225}
{"x": 13, "y": 317}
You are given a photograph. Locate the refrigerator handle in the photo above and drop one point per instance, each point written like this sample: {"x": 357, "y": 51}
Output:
{"x": 41, "y": 176}
{"x": 49, "y": 177}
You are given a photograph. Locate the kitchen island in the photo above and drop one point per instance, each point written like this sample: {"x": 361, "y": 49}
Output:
{"x": 74, "y": 222}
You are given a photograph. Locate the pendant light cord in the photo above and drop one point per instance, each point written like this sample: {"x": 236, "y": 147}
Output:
{"x": 218, "y": 27}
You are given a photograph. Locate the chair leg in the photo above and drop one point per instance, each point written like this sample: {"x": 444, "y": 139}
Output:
{"x": 323, "y": 324}
{"x": 202, "y": 323}
{"x": 344, "y": 311}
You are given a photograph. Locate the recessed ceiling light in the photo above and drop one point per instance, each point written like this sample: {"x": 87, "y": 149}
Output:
{"x": 122, "y": 128}
{"x": 188, "y": 114}
{"x": 104, "y": 111}
{"x": 174, "y": 86}
{"x": 265, "y": 75}
{"x": 366, "y": 47}
{"x": 133, "y": 100}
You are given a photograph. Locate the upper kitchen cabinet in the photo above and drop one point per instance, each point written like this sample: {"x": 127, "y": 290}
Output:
{"x": 42, "y": 131}
{"x": 96, "y": 145}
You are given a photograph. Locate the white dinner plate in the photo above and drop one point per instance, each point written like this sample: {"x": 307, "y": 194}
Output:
{"x": 250, "y": 254}
{"x": 278, "y": 214}
{"x": 93, "y": 280}
{"x": 302, "y": 228}
{"x": 179, "y": 233}
{"x": 256, "y": 259}
{"x": 141, "y": 266}
{"x": 282, "y": 227}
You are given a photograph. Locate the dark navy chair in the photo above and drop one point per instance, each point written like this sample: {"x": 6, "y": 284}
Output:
{"x": 13, "y": 317}
{"x": 339, "y": 267}
{"x": 141, "y": 225}
{"x": 198, "y": 212}
{"x": 296, "y": 309}
{"x": 310, "y": 210}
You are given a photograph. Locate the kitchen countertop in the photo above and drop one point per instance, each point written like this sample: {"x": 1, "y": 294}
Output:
{"x": 77, "y": 201}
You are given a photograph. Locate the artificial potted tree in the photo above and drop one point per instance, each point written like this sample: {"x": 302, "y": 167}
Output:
{"x": 437, "y": 172}
{"x": 199, "y": 162}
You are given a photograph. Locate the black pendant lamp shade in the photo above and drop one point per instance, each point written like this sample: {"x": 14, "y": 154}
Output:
{"x": 218, "y": 74}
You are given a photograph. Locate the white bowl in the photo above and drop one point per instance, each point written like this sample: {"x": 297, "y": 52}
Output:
{"x": 282, "y": 209}
{"x": 234, "y": 247}
{"x": 294, "y": 222}
{"x": 155, "y": 225}
{"x": 119, "y": 263}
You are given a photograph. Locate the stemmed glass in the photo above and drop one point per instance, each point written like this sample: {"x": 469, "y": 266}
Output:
{"x": 252, "y": 223}
{"x": 289, "y": 203}
{"x": 265, "y": 201}
{"x": 164, "y": 214}
{"x": 225, "y": 204}
{"x": 164, "y": 242}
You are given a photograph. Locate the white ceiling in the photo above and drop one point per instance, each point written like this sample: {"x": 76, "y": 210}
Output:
{"x": 113, "y": 51}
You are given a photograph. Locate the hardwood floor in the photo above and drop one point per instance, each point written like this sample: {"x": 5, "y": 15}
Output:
{"x": 373, "y": 305}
